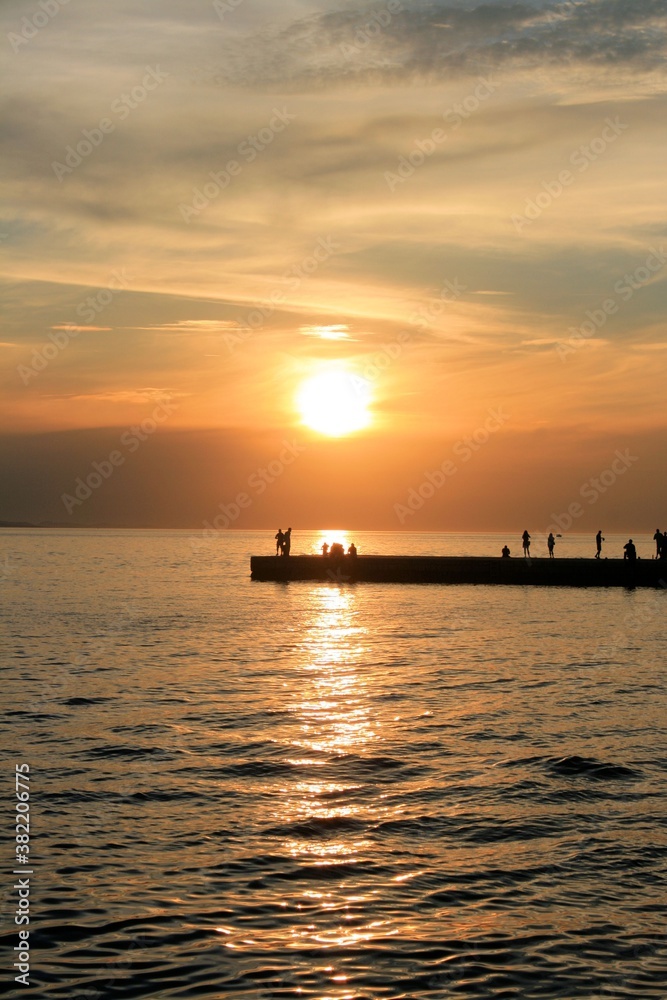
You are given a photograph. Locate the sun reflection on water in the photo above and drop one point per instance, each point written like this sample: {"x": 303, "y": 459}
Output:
{"x": 333, "y": 696}
{"x": 331, "y": 699}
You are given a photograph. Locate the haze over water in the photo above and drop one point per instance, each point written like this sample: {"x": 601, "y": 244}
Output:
{"x": 374, "y": 791}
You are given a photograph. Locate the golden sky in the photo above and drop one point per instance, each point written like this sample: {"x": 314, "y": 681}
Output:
{"x": 389, "y": 221}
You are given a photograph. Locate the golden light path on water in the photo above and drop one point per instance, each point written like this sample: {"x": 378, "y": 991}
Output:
{"x": 331, "y": 696}
{"x": 335, "y": 718}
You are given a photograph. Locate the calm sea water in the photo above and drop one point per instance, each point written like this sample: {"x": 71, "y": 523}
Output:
{"x": 255, "y": 790}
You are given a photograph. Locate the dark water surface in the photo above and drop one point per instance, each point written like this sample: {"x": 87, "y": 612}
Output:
{"x": 308, "y": 790}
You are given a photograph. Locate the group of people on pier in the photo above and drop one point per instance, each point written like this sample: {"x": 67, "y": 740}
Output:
{"x": 629, "y": 549}
{"x": 333, "y": 551}
{"x": 336, "y": 550}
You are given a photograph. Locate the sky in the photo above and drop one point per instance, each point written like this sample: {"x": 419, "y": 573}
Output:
{"x": 396, "y": 265}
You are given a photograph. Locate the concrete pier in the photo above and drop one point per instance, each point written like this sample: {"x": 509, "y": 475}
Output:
{"x": 464, "y": 569}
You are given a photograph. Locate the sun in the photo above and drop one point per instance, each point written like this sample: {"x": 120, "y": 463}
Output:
{"x": 334, "y": 402}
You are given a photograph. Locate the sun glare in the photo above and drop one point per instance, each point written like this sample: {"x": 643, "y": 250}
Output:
{"x": 334, "y": 402}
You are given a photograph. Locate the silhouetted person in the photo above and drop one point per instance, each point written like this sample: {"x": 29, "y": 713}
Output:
{"x": 506, "y": 552}
{"x": 658, "y": 538}
{"x": 336, "y": 551}
{"x": 551, "y": 541}
{"x": 352, "y": 551}
{"x": 325, "y": 549}
{"x": 663, "y": 546}
{"x": 280, "y": 541}
{"x": 598, "y": 543}
{"x": 287, "y": 542}
{"x": 630, "y": 550}
{"x": 525, "y": 538}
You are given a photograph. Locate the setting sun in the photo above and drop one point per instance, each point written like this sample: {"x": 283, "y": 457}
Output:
{"x": 334, "y": 403}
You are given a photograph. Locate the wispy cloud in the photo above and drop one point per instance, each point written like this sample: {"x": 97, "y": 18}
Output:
{"x": 333, "y": 332}
{"x": 80, "y": 328}
{"x": 191, "y": 326}
{"x": 147, "y": 395}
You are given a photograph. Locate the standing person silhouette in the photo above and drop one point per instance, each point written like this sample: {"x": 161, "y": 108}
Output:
{"x": 525, "y": 538}
{"x": 551, "y": 541}
{"x": 287, "y": 542}
{"x": 598, "y": 543}
{"x": 280, "y": 541}
{"x": 657, "y": 538}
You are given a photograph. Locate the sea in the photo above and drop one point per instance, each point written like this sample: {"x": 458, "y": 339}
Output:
{"x": 327, "y": 790}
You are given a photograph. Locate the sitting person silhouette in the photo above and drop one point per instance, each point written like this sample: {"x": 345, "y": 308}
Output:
{"x": 630, "y": 552}
{"x": 506, "y": 552}
{"x": 352, "y": 551}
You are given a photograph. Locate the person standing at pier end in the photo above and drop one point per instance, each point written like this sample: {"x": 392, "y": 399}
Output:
{"x": 598, "y": 543}
{"x": 525, "y": 538}
{"x": 280, "y": 540}
{"x": 551, "y": 541}
{"x": 658, "y": 538}
{"x": 287, "y": 542}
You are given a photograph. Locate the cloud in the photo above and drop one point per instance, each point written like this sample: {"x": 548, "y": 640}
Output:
{"x": 192, "y": 326}
{"x": 540, "y": 342}
{"x": 440, "y": 40}
{"x": 80, "y": 328}
{"x": 335, "y": 331}
{"x": 146, "y": 395}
